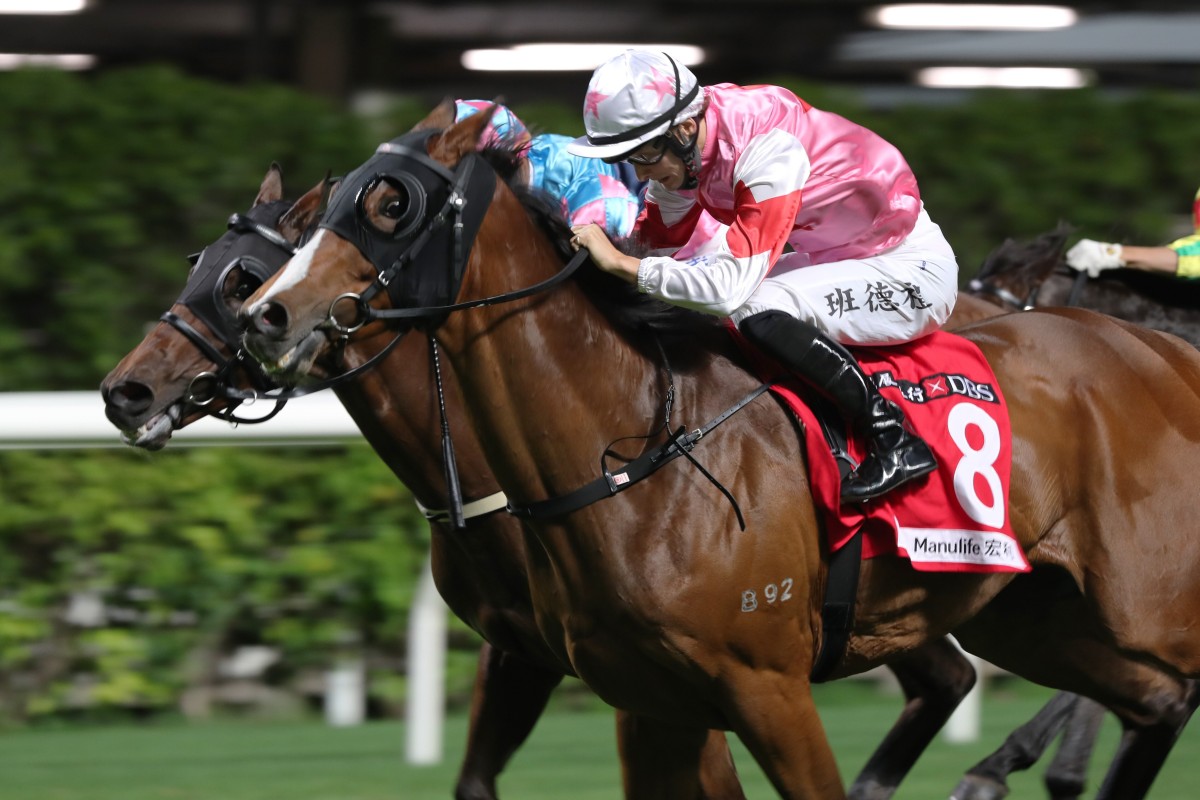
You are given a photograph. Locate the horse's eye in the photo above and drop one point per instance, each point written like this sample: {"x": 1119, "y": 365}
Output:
{"x": 392, "y": 205}
{"x": 239, "y": 284}
{"x": 394, "y": 209}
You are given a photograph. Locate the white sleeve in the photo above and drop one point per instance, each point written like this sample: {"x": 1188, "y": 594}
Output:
{"x": 770, "y": 173}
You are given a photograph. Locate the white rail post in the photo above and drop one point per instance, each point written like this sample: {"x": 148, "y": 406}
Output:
{"x": 964, "y": 724}
{"x": 426, "y": 672}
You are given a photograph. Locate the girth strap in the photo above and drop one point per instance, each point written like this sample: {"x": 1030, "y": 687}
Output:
{"x": 837, "y": 611}
{"x": 841, "y": 579}
{"x": 609, "y": 483}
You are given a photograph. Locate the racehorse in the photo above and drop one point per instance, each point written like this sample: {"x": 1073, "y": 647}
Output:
{"x": 1034, "y": 275}
{"x": 638, "y": 591}
{"x": 190, "y": 365}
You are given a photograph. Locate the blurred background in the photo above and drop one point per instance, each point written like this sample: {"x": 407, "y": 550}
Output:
{"x": 215, "y": 587}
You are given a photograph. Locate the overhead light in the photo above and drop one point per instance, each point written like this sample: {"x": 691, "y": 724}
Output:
{"x": 42, "y": 6}
{"x": 1002, "y": 77}
{"x": 66, "y": 61}
{"x": 947, "y": 16}
{"x": 551, "y": 57}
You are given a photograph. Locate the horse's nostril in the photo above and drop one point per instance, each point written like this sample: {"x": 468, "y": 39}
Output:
{"x": 131, "y": 397}
{"x": 271, "y": 317}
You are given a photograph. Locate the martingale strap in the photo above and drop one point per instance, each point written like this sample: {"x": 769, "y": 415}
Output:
{"x": 644, "y": 465}
{"x": 475, "y": 508}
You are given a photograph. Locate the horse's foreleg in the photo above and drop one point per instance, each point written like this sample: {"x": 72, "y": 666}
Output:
{"x": 661, "y": 760}
{"x": 1066, "y": 776}
{"x": 509, "y": 696}
{"x": 988, "y": 780}
{"x": 776, "y": 718}
{"x": 935, "y": 678}
{"x": 1143, "y": 750}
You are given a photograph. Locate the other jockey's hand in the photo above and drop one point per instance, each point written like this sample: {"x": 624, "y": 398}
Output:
{"x": 1094, "y": 257}
{"x": 604, "y": 253}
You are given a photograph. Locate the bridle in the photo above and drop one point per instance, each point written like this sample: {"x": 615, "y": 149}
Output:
{"x": 260, "y": 257}
{"x": 260, "y": 251}
{"x": 409, "y": 260}
{"x": 1007, "y": 298}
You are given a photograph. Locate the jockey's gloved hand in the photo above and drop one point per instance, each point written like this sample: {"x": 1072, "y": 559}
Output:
{"x": 1094, "y": 257}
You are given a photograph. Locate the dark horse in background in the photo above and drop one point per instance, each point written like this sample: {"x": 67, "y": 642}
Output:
{"x": 1018, "y": 276}
{"x": 635, "y": 592}
{"x": 1023, "y": 275}
{"x": 189, "y": 365}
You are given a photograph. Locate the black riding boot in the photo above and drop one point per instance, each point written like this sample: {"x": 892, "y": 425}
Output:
{"x": 894, "y": 455}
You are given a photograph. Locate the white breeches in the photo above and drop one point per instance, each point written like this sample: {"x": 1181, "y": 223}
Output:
{"x": 894, "y": 297}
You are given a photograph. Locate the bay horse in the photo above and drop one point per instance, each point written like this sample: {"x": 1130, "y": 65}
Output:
{"x": 639, "y": 592}
{"x": 190, "y": 365}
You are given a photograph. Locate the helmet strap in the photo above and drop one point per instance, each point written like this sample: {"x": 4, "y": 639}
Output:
{"x": 689, "y": 154}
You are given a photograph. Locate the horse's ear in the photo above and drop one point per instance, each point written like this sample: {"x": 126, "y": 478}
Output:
{"x": 303, "y": 213}
{"x": 461, "y": 137}
{"x": 440, "y": 118}
{"x": 272, "y": 186}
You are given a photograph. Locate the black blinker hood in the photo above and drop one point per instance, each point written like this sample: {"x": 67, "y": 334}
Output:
{"x": 258, "y": 255}
{"x": 436, "y": 228}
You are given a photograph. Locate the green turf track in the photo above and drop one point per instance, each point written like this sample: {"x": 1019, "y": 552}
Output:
{"x": 570, "y": 755}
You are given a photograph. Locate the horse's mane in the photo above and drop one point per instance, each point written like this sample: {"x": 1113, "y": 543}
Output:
{"x": 1034, "y": 259}
{"x": 620, "y": 301}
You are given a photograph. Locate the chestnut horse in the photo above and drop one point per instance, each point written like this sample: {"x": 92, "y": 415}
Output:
{"x": 639, "y": 592}
{"x": 189, "y": 365}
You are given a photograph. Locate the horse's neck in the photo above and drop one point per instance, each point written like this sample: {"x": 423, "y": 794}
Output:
{"x": 551, "y": 382}
{"x": 395, "y": 406}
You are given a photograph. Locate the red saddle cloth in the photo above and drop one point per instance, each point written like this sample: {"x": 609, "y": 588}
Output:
{"x": 953, "y": 520}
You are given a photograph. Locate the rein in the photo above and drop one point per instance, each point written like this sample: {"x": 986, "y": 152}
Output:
{"x": 370, "y": 313}
{"x": 610, "y": 483}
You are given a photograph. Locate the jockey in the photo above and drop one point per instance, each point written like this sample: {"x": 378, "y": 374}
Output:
{"x": 588, "y": 190}
{"x": 865, "y": 264}
{"x": 1180, "y": 258}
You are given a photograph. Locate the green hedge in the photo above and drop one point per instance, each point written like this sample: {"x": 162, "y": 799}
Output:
{"x": 107, "y": 181}
{"x": 194, "y": 551}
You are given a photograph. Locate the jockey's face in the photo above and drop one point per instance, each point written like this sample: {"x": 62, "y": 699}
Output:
{"x": 669, "y": 170}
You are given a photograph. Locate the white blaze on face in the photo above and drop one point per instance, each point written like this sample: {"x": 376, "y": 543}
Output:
{"x": 296, "y": 270}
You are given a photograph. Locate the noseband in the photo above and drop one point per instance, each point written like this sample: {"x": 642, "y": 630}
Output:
{"x": 260, "y": 257}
